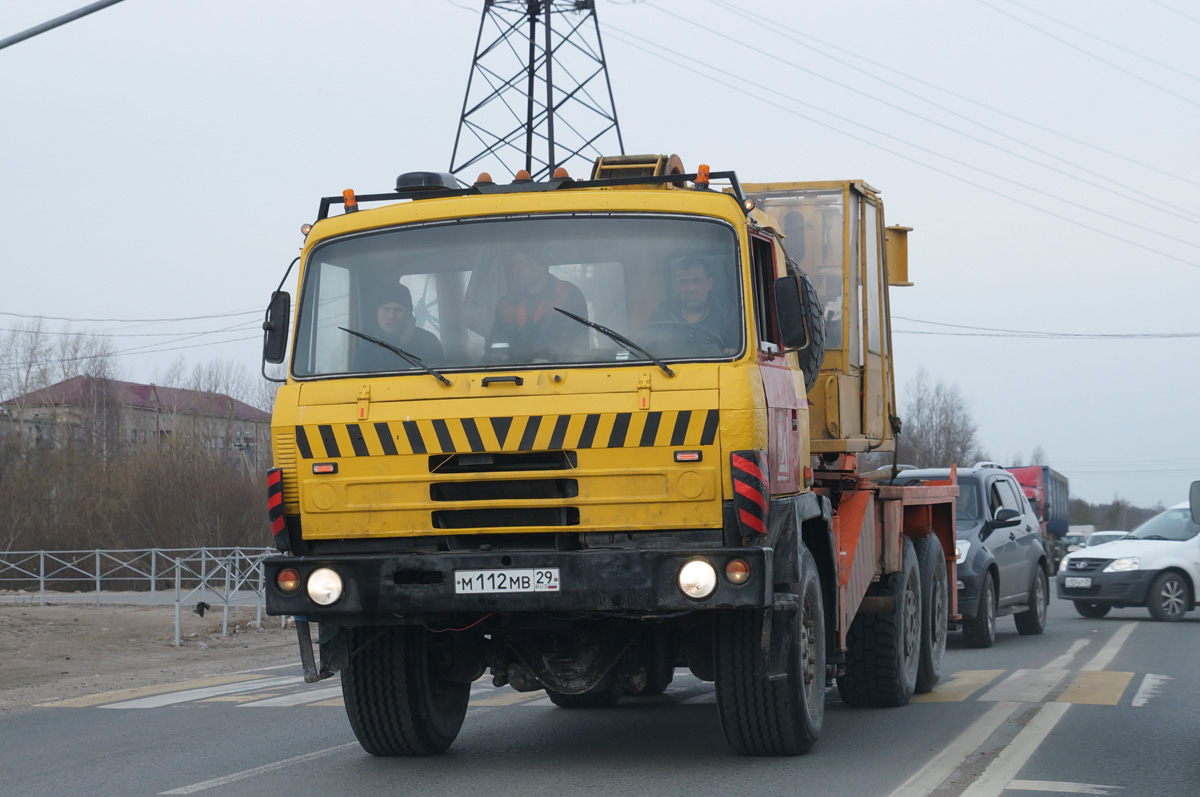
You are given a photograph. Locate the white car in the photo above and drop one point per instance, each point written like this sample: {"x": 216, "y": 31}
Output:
{"x": 1157, "y": 566}
{"x": 1101, "y": 537}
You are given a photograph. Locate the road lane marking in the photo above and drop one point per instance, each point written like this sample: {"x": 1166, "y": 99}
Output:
{"x": 1096, "y": 688}
{"x": 249, "y": 773}
{"x": 961, "y": 685}
{"x": 297, "y": 699}
{"x": 1149, "y": 688}
{"x": 239, "y": 698}
{"x": 927, "y": 778}
{"x": 190, "y": 695}
{"x": 143, "y": 691}
{"x": 337, "y": 701}
{"x": 1061, "y": 787}
{"x": 1025, "y": 686}
{"x": 1109, "y": 651}
{"x": 1064, "y": 661}
{"x": 1008, "y": 764}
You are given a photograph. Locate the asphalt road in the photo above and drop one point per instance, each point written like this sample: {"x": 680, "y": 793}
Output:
{"x": 1092, "y": 706}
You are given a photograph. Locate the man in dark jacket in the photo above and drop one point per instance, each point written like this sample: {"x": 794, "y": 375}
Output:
{"x": 396, "y": 324}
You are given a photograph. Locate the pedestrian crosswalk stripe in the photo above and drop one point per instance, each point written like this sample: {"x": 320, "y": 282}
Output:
{"x": 143, "y": 691}
{"x": 190, "y": 695}
{"x": 507, "y": 698}
{"x": 961, "y": 685}
{"x": 1025, "y": 686}
{"x": 298, "y": 698}
{"x": 1096, "y": 688}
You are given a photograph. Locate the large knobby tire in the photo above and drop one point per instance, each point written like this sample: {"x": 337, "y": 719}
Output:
{"x": 395, "y": 701}
{"x": 935, "y": 611}
{"x": 980, "y": 630}
{"x": 1169, "y": 598}
{"x": 883, "y": 655}
{"x": 1032, "y": 621}
{"x": 606, "y": 694}
{"x": 784, "y": 716}
{"x": 810, "y": 357}
{"x": 1093, "y": 611}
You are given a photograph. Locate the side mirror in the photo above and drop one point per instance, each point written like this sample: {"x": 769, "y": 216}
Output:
{"x": 1194, "y": 499}
{"x": 789, "y": 310}
{"x": 1006, "y": 517}
{"x": 275, "y": 327}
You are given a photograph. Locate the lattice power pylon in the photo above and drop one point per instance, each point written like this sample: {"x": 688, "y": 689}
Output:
{"x": 538, "y": 95}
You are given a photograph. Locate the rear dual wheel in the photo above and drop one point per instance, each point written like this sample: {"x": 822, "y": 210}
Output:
{"x": 883, "y": 658}
{"x": 935, "y": 611}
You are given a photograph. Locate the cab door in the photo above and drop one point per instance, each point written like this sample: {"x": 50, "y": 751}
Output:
{"x": 874, "y": 352}
{"x": 784, "y": 402}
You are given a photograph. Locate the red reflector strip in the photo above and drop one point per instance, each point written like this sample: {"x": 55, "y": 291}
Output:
{"x": 742, "y": 463}
{"x": 277, "y": 525}
{"x": 274, "y": 477}
{"x": 744, "y": 489}
{"x": 751, "y": 522}
{"x": 687, "y": 456}
{"x": 274, "y": 500}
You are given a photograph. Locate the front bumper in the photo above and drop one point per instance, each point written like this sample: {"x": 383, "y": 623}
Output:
{"x": 1112, "y": 589}
{"x": 379, "y": 586}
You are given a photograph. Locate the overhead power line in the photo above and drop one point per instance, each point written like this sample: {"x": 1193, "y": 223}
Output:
{"x": 657, "y": 50}
{"x": 775, "y": 26}
{"x": 1150, "y": 201}
{"x": 54, "y": 23}
{"x": 1091, "y": 55}
{"x": 1026, "y": 333}
{"x": 133, "y": 320}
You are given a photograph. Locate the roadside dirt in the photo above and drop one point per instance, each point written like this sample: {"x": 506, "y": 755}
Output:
{"x": 60, "y": 651}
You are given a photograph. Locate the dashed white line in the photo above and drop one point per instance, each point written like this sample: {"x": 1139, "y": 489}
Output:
{"x": 1064, "y": 661}
{"x": 1109, "y": 651}
{"x": 1149, "y": 688}
{"x": 996, "y": 777}
{"x": 249, "y": 773}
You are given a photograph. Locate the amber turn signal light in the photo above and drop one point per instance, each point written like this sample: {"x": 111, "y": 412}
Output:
{"x": 737, "y": 571}
{"x": 288, "y": 579}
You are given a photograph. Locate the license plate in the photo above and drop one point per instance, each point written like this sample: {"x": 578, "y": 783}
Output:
{"x": 537, "y": 579}
{"x": 1077, "y": 583}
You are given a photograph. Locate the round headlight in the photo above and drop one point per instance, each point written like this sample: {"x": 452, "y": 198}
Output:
{"x": 698, "y": 579}
{"x": 324, "y": 586}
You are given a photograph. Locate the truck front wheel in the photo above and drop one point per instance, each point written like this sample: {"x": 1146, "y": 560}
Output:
{"x": 781, "y": 716}
{"x": 395, "y": 700}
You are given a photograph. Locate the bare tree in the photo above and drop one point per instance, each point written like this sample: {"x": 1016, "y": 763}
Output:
{"x": 938, "y": 430}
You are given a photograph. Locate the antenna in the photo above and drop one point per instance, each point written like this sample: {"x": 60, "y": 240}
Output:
{"x": 514, "y": 114}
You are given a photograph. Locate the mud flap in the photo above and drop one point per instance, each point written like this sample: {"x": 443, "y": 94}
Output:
{"x": 334, "y": 652}
{"x": 778, "y": 628}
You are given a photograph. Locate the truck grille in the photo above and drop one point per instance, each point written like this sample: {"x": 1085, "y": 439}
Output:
{"x": 512, "y": 490}
{"x": 506, "y": 518}
{"x": 500, "y": 463}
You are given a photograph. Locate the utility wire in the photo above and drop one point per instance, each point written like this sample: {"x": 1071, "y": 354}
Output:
{"x": 656, "y": 49}
{"x": 1175, "y": 10}
{"x": 775, "y": 26}
{"x": 1091, "y": 55}
{"x": 1031, "y": 333}
{"x": 1114, "y": 45}
{"x": 54, "y": 23}
{"x": 133, "y": 320}
{"x": 1153, "y": 202}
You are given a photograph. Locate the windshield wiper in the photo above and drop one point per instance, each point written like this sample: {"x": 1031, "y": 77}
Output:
{"x": 1151, "y": 537}
{"x": 619, "y": 338}
{"x": 412, "y": 358}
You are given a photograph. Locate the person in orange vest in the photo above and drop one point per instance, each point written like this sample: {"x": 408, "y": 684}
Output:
{"x": 526, "y": 319}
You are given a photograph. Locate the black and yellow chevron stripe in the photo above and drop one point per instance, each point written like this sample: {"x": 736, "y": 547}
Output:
{"x": 520, "y": 433}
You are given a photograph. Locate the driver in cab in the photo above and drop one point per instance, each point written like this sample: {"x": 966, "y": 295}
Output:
{"x": 695, "y": 304}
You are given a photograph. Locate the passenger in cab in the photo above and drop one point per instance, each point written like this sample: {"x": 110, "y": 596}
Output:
{"x": 694, "y": 302}
{"x": 526, "y": 322}
{"x": 396, "y": 324}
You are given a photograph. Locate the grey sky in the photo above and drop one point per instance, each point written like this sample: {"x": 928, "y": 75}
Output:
{"x": 159, "y": 158}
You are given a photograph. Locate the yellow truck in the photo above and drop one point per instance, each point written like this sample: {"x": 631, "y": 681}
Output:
{"x": 579, "y": 433}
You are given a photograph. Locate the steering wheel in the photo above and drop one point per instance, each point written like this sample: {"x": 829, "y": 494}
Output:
{"x": 684, "y": 327}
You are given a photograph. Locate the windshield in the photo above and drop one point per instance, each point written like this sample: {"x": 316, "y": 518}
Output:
{"x": 486, "y": 293}
{"x": 1174, "y": 524}
{"x": 967, "y": 507}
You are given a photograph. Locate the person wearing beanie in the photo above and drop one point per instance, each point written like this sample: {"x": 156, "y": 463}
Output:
{"x": 396, "y": 324}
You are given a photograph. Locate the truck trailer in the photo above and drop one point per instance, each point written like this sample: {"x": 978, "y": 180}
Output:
{"x": 1048, "y": 491}
{"x": 614, "y": 432}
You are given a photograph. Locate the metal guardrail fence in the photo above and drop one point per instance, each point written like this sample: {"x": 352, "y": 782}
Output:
{"x": 230, "y": 576}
